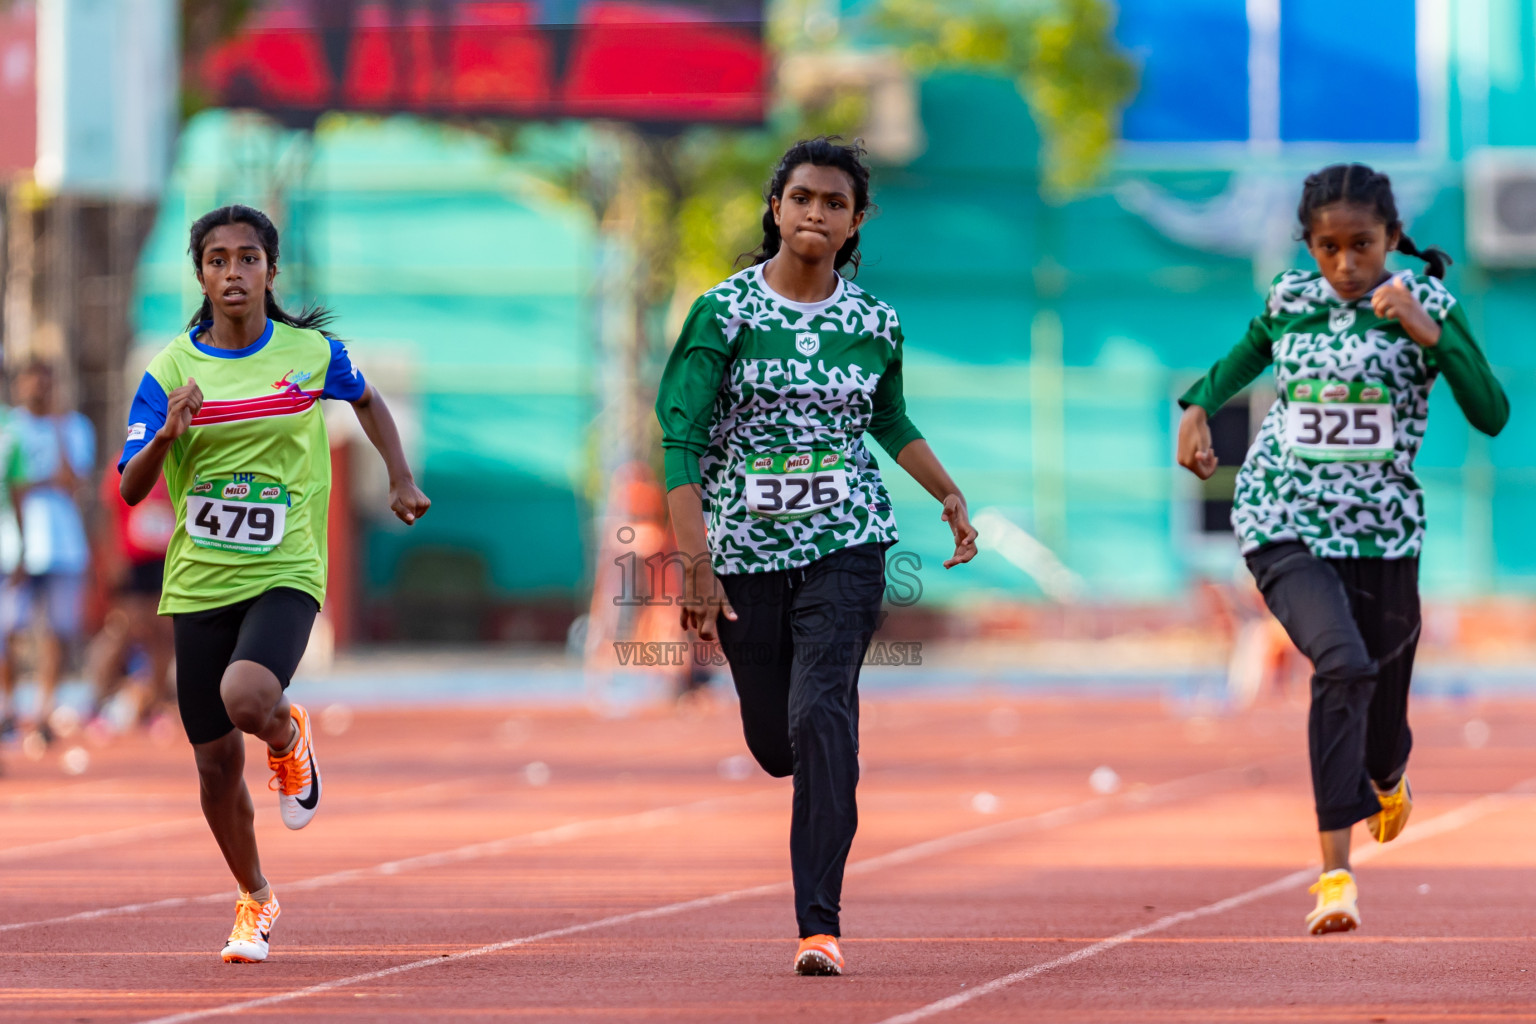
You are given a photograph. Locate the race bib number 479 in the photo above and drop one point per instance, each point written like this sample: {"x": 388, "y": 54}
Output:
{"x": 231, "y": 516}
{"x": 1331, "y": 421}
{"x": 785, "y": 486}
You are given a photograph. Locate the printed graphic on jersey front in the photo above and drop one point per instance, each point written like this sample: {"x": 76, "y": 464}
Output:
{"x": 1370, "y": 507}
{"x": 811, "y": 406}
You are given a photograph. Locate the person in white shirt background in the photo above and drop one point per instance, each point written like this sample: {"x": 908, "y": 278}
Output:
{"x": 45, "y": 591}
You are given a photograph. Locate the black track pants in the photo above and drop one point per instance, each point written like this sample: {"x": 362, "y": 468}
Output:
{"x": 1357, "y": 619}
{"x": 795, "y": 652}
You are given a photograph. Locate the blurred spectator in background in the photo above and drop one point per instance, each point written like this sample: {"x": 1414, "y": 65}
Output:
{"x": 12, "y": 489}
{"x": 58, "y": 452}
{"x": 135, "y": 642}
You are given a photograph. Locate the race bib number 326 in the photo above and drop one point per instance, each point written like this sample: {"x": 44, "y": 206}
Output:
{"x": 231, "y": 516}
{"x": 785, "y": 486}
{"x": 1331, "y": 421}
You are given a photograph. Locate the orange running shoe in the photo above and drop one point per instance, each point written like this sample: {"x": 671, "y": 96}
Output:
{"x": 253, "y": 929}
{"x": 295, "y": 777}
{"x": 819, "y": 954}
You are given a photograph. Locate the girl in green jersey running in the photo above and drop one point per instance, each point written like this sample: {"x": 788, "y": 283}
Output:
{"x": 777, "y": 376}
{"x": 1327, "y": 507}
{"x": 230, "y": 413}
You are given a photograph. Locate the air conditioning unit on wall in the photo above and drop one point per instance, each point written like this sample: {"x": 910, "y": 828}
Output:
{"x": 1501, "y": 206}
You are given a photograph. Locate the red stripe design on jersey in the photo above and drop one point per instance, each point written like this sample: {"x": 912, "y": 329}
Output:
{"x": 233, "y": 410}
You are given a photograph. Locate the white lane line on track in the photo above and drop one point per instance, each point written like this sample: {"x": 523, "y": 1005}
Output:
{"x": 175, "y": 826}
{"x": 1437, "y": 826}
{"x": 64, "y": 793}
{"x": 618, "y": 825}
{"x": 1071, "y": 814}
{"x": 94, "y": 840}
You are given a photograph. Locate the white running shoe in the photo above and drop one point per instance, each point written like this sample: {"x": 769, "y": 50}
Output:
{"x": 248, "y": 942}
{"x": 295, "y": 776}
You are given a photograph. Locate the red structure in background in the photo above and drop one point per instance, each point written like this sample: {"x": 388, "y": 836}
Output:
{"x": 18, "y": 88}
{"x": 632, "y": 60}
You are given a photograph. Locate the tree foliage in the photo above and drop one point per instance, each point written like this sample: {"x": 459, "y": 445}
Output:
{"x": 1061, "y": 53}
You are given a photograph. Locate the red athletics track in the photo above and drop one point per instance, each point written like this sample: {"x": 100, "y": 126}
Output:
{"x": 640, "y": 883}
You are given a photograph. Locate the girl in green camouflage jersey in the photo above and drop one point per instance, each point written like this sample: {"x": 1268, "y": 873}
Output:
{"x": 778, "y": 505}
{"x": 1327, "y": 507}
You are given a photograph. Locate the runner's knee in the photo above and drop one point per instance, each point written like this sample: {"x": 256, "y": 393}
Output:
{"x": 250, "y": 692}
{"x": 777, "y": 764}
{"x": 776, "y": 757}
{"x": 1344, "y": 663}
{"x": 249, "y": 715}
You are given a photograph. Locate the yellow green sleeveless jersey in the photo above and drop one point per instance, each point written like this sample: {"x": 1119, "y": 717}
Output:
{"x": 251, "y": 479}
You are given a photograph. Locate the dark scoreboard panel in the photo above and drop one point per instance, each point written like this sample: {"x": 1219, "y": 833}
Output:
{"x": 667, "y": 61}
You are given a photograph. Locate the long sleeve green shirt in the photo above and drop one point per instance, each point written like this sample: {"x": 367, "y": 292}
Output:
{"x": 754, "y": 375}
{"x": 1302, "y": 480}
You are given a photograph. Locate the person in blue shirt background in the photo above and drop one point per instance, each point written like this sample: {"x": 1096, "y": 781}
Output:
{"x": 58, "y": 453}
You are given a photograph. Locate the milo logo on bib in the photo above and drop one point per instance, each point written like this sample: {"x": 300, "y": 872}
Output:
{"x": 236, "y": 490}
{"x": 785, "y": 486}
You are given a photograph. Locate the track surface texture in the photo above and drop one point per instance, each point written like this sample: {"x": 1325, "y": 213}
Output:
{"x": 530, "y": 864}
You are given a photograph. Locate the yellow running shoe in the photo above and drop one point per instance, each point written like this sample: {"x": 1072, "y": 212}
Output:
{"x": 819, "y": 954}
{"x": 1336, "y": 909}
{"x": 253, "y": 929}
{"x": 1396, "y": 805}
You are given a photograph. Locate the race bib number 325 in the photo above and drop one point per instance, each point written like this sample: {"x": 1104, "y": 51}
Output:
{"x": 231, "y": 516}
{"x": 1331, "y": 421}
{"x": 785, "y": 486}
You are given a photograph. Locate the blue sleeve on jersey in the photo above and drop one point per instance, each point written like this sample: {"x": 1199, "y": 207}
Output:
{"x": 145, "y": 418}
{"x": 342, "y": 379}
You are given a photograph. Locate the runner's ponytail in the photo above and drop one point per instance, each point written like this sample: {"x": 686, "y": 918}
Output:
{"x": 313, "y": 318}
{"x": 1436, "y": 259}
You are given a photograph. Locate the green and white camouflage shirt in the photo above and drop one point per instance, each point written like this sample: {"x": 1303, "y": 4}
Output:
{"x": 765, "y": 402}
{"x": 13, "y": 477}
{"x": 1332, "y": 464}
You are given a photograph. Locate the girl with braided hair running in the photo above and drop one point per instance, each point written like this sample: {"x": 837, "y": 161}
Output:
{"x": 1328, "y": 511}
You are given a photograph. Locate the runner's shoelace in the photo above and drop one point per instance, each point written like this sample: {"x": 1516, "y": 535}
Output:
{"x": 290, "y": 773}
{"x": 1333, "y": 888}
{"x": 247, "y": 921}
